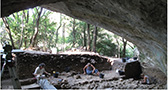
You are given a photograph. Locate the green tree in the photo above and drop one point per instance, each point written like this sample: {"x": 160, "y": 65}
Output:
{"x": 124, "y": 47}
{"x": 36, "y": 29}
{"x": 75, "y": 37}
{"x": 105, "y": 46}
{"x": 63, "y": 36}
{"x": 88, "y": 40}
{"x": 8, "y": 30}
{"x": 37, "y": 16}
{"x": 95, "y": 39}
{"x": 118, "y": 45}
{"x": 84, "y": 35}
{"x": 74, "y": 32}
{"x": 23, "y": 28}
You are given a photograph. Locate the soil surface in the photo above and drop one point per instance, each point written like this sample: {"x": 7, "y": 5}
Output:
{"x": 75, "y": 79}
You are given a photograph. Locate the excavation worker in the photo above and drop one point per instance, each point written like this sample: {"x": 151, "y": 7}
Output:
{"x": 145, "y": 79}
{"x": 40, "y": 70}
{"x": 41, "y": 80}
{"x": 90, "y": 69}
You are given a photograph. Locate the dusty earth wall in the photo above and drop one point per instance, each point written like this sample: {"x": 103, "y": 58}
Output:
{"x": 27, "y": 62}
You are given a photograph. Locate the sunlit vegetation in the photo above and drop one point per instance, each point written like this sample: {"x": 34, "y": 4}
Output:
{"x": 47, "y": 30}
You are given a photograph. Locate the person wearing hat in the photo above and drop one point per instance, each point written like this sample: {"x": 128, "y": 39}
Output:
{"x": 40, "y": 70}
{"x": 90, "y": 69}
{"x": 41, "y": 80}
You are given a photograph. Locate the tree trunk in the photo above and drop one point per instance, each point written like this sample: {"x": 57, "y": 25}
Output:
{"x": 27, "y": 18}
{"x": 74, "y": 33}
{"x": 88, "y": 41}
{"x": 63, "y": 37}
{"x": 118, "y": 47}
{"x": 56, "y": 33}
{"x": 36, "y": 28}
{"x": 84, "y": 32}
{"x": 45, "y": 36}
{"x": 22, "y": 30}
{"x": 25, "y": 39}
{"x": 94, "y": 39}
{"x": 132, "y": 47}
{"x": 9, "y": 32}
{"x": 124, "y": 46}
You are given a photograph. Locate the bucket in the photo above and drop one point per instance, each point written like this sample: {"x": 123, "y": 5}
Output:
{"x": 55, "y": 74}
{"x": 101, "y": 75}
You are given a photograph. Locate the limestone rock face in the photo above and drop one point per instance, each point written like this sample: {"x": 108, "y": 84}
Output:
{"x": 142, "y": 22}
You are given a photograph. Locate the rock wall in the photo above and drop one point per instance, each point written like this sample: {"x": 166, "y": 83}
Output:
{"x": 154, "y": 73}
{"x": 142, "y": 22}
{"x": 27, "y": 63}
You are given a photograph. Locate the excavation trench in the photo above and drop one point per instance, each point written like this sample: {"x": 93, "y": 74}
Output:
{"x": 75, "y": 79}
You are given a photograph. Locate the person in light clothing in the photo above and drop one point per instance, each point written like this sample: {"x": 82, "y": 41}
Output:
{"x": 41, "y": 80}
{"x": 145, "y": 79}
{"x": 39, "y": 71}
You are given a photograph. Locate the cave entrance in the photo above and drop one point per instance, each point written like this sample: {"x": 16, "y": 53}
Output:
{"x": 34, "y": 36}
{"x": 40, "y": 29}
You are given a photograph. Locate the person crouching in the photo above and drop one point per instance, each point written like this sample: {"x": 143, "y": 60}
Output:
{"x": 90, "y": 69}
{"x": 40, "y": 70}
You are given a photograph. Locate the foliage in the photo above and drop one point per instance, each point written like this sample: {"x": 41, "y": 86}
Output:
{"x": 106, "y": 42}
{"x": 105, "y": 46}
{"x": 46, "y": 29}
